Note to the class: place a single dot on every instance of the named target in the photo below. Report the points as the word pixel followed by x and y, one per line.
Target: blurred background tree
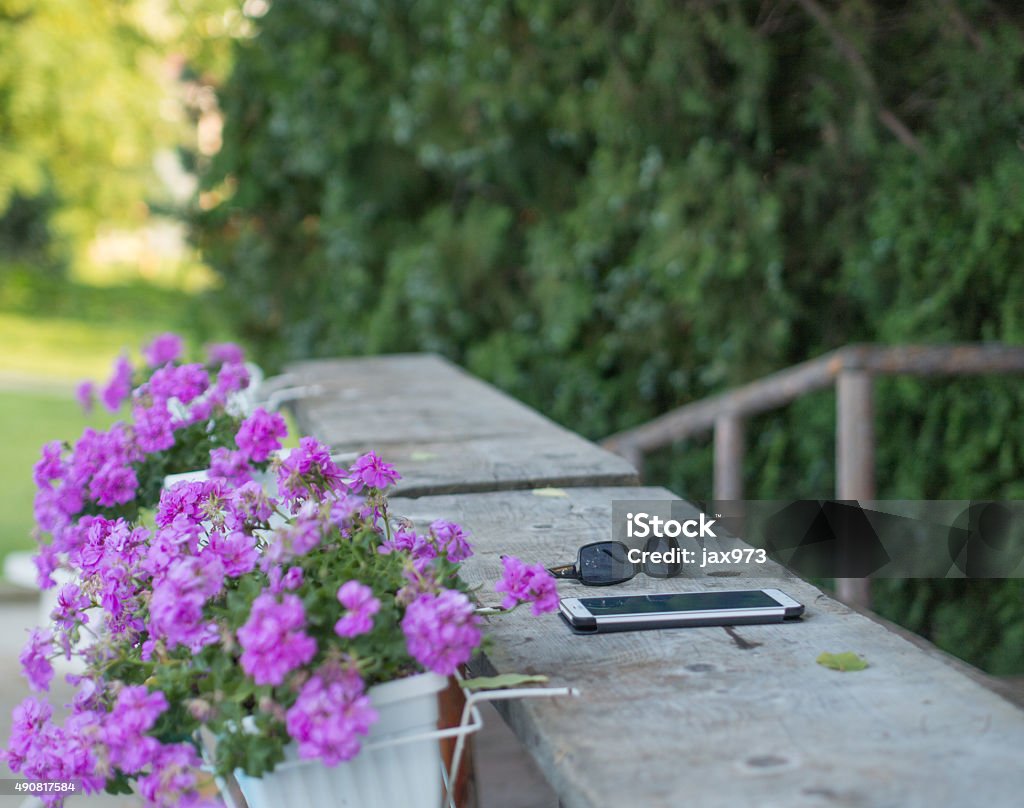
pixel 78 130
pixel 91 92
pixel 610 209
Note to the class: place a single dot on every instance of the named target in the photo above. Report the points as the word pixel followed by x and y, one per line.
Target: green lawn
pixel 69 330
pixel 66 349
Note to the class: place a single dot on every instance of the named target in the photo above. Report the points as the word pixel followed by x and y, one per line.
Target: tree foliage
pixel 610 209
pixel 86 99
pixel 74 108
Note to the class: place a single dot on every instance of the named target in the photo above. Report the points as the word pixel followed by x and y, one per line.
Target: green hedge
pixel 609 209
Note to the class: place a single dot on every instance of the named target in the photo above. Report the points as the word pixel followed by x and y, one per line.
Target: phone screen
pixel 679 602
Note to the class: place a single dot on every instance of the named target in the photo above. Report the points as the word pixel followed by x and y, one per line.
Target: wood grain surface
pixel 446 431
pixel 727 717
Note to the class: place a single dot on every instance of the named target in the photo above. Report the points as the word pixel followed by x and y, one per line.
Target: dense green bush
pixel 610 209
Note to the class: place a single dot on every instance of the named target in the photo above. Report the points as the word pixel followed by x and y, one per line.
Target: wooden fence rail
pixel 852 370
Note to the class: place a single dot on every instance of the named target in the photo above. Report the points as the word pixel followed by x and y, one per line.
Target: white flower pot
pixel 197 476
pixel 385 774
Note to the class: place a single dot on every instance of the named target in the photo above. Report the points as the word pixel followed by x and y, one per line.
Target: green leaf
pixel 501 682
pixel 118 784
pixel 846 661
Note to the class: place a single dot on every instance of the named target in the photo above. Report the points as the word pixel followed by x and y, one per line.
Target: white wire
pixel 494 695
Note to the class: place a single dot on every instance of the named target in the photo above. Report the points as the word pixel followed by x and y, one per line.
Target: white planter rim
pixel 407 687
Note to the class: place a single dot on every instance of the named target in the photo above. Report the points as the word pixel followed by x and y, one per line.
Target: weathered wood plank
pixel 445 430
pixel 712 717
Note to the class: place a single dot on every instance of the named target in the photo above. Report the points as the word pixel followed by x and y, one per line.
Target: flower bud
pixel 200 709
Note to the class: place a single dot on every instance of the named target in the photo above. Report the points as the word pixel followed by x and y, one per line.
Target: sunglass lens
pixel 605 563
pixel 669 566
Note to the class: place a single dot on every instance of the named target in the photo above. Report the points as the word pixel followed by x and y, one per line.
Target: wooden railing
pixel 852 370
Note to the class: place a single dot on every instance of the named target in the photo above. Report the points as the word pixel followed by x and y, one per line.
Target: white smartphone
pixel 638 612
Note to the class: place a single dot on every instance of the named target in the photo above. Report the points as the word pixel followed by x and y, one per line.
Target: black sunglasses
pixel 604 563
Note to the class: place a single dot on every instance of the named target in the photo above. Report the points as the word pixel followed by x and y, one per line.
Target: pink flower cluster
pixel 260 434
pixel 443 539
pixel 70 608
pixel 43 750
pixel 527 583
pixel 195 501
pixel 163 349
pixel 360 605
pixel 225 353
pixel 296 538
pixel 134 714
pixel 308 472
pixel 229 465
pixel 35 659
pixel 120 385
pixel 92 743
pixel 441 630
pixel 257 438
pixel 273 639
pixel 330 714
pixel 249 505
pixel 107 559
pixel 451 540
pixel 179 595
pixel 372 472
pixel 98 470
pixel 176 395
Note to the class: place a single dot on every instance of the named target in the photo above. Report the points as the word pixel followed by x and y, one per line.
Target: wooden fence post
pixel 729 450
pixel 855 460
